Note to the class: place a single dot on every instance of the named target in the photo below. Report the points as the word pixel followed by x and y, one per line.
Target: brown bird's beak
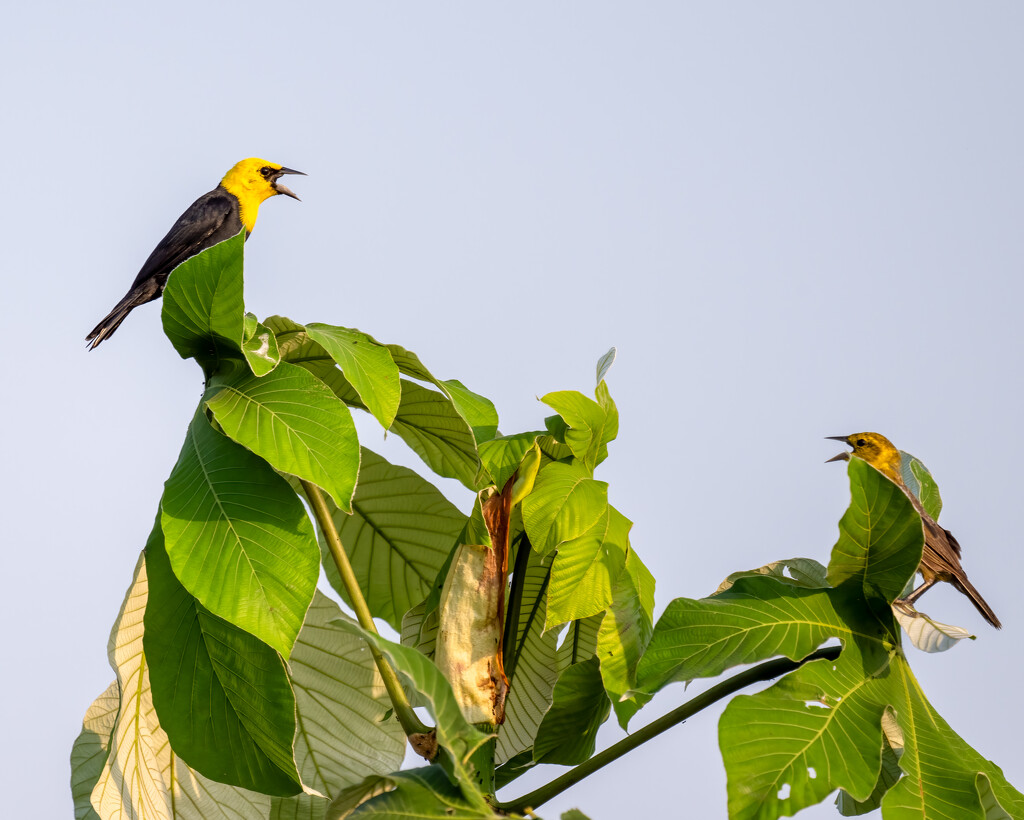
pixel 281 189
pixel 840 456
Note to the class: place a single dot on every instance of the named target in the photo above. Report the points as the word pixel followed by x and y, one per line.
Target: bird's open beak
pixel 839 456
pixel 281 189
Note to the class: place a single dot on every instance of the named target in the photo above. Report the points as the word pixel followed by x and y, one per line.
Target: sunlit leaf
pixel 294 422
pixel 367 365
pixel 203 312
pixel 238 537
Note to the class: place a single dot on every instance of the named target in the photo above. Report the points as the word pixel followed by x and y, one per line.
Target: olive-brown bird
pixel 212 218
pixel 940 558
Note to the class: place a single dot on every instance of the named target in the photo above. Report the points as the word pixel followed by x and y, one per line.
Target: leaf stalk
pixel 765 671
pixel 411 724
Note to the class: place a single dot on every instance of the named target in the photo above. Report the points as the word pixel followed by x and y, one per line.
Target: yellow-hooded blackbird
pixel 212 218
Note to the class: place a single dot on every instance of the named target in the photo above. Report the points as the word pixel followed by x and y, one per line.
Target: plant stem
pixel 763 672
pixel 411 724
pixel 509 655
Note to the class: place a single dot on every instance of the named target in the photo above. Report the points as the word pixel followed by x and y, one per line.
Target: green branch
pixel 411 724
pixel 765 671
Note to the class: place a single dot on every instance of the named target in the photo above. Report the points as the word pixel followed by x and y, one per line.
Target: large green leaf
pixel 457 739
pixel 423 794
pixel 586 568
pixel 565 503
pixel 367 365
pixel 222 695
pixel 89 752
pixel 142 778
pixel 398 536
pixel 238 537
pixel 430 424
pixel 880 536
pixel 477 411
pixel 294 422
pixel 203 311
pixel 625 631
pixel 568 732
pixel 344 734
pixel 590 426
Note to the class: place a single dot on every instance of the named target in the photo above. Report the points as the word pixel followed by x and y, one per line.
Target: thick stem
pixel 515 602
pixel 411 724
pixel 763 672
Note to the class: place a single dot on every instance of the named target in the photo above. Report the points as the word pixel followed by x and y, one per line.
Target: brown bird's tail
pixel 967 588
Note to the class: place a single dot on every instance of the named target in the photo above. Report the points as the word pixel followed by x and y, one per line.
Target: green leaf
pixel 800 572
pixel 625 632
pixel 294 422
pixel 90 750
pixel 817 728
pixel 919 481
pixel 478 411
pixel 879 544
pixel 945 779
pixel 565 503
pixel 223 696
pixel 238 538
pixel 457 738
pixel 367 365
pixel 142 777
pixel 568 733
pixel 343 735
pixel 590 425
pixel 501 456
pixel 575 814
pixel 586 568
pixel 423 794
pixel 259 346
pixel 203 312
pixel 398 537
pixel 756 619
pixel 604 364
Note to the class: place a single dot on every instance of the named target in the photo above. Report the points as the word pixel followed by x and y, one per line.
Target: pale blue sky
pixel 793 220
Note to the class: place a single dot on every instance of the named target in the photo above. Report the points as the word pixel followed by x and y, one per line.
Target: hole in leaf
pixel 817 703
pixel 811 773
pixel 783 793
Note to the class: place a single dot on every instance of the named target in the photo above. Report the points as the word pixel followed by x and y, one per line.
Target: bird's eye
pixel 861 442
pixel 266 170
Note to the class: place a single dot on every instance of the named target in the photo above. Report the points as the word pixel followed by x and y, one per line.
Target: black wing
pixel 209 220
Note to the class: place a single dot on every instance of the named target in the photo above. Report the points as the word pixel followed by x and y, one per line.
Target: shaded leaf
pixel 399 535
pixel 89 752
pixel 222 695
pixel 568 732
